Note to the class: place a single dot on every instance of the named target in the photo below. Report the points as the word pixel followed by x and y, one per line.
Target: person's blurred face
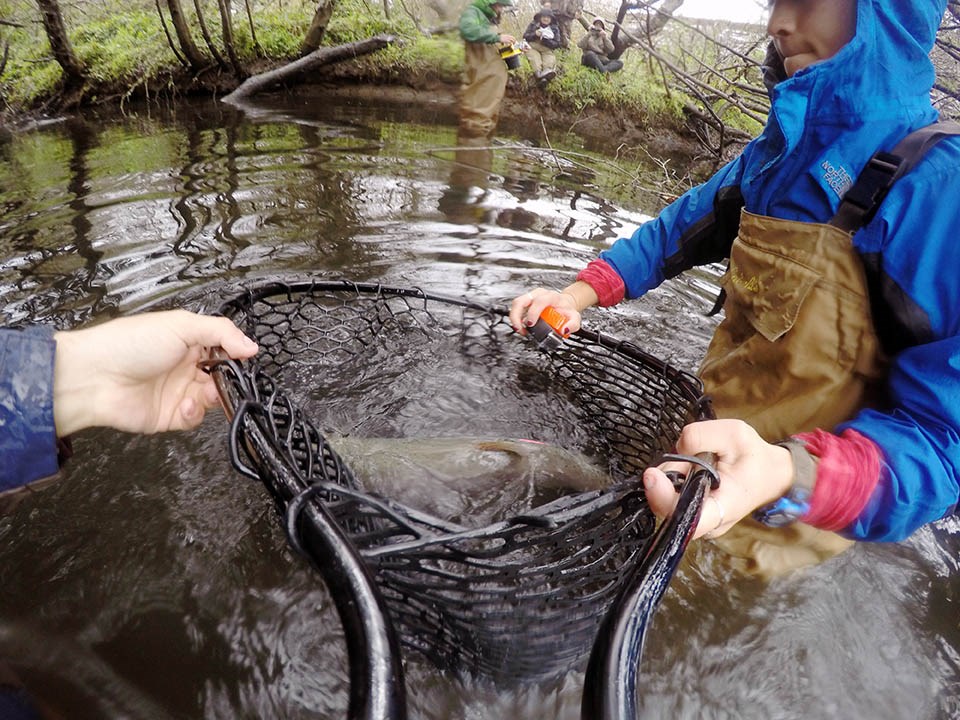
pixel 545 19
pixel 810 31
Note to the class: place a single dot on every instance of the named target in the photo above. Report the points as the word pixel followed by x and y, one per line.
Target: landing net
pixel 519 599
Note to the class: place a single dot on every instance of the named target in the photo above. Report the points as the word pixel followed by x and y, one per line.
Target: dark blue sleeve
pixel 15 704
pixel 28 438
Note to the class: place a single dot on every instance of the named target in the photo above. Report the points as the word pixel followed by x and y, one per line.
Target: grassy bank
pixel 125 53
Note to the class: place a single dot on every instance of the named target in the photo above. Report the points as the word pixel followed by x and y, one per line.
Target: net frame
pixel 517 600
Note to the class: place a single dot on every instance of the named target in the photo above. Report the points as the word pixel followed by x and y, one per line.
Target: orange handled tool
pixel 548 332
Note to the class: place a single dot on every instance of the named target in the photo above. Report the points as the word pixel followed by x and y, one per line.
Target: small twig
pixel 546 138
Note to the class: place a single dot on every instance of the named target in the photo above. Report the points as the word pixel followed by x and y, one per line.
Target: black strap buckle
pixel 861 201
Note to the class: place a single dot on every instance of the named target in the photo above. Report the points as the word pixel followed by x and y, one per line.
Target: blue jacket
pixel 825 123
pixel 28 439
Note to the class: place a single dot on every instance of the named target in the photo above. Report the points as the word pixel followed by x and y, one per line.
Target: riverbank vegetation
pixel 703 78
pixel 60 54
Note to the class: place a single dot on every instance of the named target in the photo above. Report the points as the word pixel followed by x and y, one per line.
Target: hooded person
pixel 543 37
pixel 485 74
pixel 596 47
pixel 834 370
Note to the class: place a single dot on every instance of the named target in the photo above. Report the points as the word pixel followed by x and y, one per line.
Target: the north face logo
pixel 837 178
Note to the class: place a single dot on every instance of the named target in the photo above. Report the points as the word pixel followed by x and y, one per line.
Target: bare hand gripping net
pixel 521 598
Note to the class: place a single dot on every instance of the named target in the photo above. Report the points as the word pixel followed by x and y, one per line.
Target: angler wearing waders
pixel 485 76
pixel 836 365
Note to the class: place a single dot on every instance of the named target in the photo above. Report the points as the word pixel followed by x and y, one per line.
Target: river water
pixel 153 581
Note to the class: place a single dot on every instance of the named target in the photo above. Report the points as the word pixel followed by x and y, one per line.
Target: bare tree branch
pixel 295 71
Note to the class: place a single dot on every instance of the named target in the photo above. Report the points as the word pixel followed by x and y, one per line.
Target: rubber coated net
pixel 520 597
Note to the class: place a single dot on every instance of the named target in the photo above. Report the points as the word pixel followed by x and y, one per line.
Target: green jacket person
pixel 485 77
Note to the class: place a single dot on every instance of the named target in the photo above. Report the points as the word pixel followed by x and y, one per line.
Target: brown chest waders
pixel 798 348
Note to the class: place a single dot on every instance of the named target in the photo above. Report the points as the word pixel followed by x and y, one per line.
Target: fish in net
pixel 518 597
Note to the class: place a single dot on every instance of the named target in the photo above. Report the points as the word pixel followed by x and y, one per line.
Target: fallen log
pixel 295 72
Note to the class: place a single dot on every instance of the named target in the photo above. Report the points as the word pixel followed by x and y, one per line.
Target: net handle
pixel 377 685
pixel 610 683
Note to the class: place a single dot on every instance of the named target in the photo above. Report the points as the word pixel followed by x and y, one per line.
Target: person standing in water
pixel 485 76
pixel 834 370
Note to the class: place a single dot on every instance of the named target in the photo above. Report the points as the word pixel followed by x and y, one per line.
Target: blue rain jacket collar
pixel 868 96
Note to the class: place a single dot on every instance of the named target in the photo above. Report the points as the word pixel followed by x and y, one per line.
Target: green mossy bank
pixel 126 55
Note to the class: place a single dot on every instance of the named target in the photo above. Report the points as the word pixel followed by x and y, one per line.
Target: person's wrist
pixel 571 300
pixel 781 473
pixel 74 384
pixel 580 296
pixel 793 488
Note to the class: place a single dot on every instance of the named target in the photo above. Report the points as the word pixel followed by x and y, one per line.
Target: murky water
pixel 154 582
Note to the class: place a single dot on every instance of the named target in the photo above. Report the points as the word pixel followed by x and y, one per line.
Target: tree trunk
pixel 226 23
pixel 166 33
pixel 74 74
pixel 206 36
pixel 318 26
pixel 295 72
pixel 180 27
pixel 253 31
pixel 656 19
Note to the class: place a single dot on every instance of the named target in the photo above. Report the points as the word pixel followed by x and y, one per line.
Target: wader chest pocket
pixel 767 288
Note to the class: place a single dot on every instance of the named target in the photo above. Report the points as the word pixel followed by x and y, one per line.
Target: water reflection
pixel 154 582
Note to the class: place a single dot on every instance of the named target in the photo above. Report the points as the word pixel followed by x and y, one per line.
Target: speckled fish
pixel 471 481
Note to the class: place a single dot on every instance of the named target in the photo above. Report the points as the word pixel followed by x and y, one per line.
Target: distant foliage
pixel 122 48
pixel 706 73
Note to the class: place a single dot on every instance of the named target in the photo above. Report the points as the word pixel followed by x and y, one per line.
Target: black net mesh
pixel 517 598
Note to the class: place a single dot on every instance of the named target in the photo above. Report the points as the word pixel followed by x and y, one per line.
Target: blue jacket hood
pixel 887 60
pixel 872 93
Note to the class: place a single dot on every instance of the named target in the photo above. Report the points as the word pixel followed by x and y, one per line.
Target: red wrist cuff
pixel 605 281
pixel 848 471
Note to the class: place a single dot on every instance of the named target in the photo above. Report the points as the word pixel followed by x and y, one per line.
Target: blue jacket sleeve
pixel 918 427
pixel 920 443
pixel 28 440
pixel 640 259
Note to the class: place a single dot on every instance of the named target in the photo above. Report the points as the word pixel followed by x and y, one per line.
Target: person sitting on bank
pixel 548 5
pixel 543 38
pixel 597 47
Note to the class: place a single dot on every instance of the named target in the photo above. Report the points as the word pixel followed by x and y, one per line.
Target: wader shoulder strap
pixel 861 201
